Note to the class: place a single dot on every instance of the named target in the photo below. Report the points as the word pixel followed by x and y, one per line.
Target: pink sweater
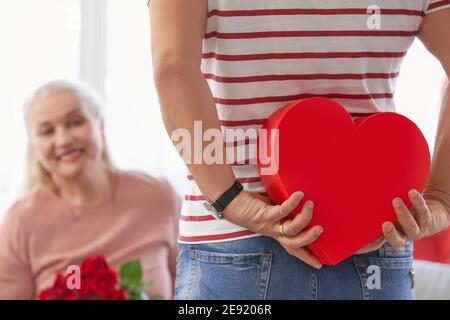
pixel 42 235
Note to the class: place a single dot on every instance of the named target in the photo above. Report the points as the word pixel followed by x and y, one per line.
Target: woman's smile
pixel 70 155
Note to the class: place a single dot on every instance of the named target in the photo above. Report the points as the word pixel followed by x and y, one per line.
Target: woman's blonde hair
pixel 35 174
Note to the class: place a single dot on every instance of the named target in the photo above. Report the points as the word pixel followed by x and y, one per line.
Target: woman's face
pixel 66 138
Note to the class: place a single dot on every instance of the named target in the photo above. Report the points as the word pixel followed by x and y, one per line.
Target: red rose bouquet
pixel 97 281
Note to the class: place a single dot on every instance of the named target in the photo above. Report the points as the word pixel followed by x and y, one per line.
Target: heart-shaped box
pixel 351 170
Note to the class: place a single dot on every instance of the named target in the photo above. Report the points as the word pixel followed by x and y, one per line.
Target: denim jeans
pixel 259 268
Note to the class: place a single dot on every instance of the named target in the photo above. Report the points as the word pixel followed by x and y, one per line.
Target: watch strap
pixel 225 199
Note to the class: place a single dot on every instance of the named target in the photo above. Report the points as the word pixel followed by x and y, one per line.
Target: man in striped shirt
pixel 233 63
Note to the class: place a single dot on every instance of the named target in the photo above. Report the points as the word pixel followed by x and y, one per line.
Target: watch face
pixel 212 210
pixel 208 206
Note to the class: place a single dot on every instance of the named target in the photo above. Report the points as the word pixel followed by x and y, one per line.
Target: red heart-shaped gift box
pixel 351 170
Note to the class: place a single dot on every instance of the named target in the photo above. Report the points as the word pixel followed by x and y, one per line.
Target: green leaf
pixel 131 281
pixel 131 274
pixel 133 292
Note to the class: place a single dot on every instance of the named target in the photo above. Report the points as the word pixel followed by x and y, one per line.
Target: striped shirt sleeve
pixel 436 5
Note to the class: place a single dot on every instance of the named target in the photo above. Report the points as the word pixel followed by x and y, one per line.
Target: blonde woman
pixel 78 205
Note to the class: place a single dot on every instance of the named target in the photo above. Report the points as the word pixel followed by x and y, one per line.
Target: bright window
pixel 135 129
pixel 39 40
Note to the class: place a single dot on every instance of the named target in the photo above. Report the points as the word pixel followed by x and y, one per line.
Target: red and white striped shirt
pixel 259 55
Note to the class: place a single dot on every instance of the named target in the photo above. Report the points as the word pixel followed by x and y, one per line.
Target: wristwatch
pixel 218 206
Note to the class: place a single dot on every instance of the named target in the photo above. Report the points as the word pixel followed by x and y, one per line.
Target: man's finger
pixel 420 207
pixel 293 227
pixel 374 245
pixel 392 235
pixel 283 210
pixel 304 238
pixel 305 256
pixel 406 219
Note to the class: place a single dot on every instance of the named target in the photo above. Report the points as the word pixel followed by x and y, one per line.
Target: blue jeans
pixel 260 268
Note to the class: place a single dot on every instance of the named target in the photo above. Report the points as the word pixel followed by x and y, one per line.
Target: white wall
pixel 39 40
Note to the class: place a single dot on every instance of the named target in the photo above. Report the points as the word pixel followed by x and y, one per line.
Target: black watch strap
pixel 224 200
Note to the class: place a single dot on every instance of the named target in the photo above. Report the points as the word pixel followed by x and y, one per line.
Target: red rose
pixel 57 292
pixel 93 264
pixel 98 281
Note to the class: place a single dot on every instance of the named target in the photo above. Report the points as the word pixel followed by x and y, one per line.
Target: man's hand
pixel 256 213
pixel 427 217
